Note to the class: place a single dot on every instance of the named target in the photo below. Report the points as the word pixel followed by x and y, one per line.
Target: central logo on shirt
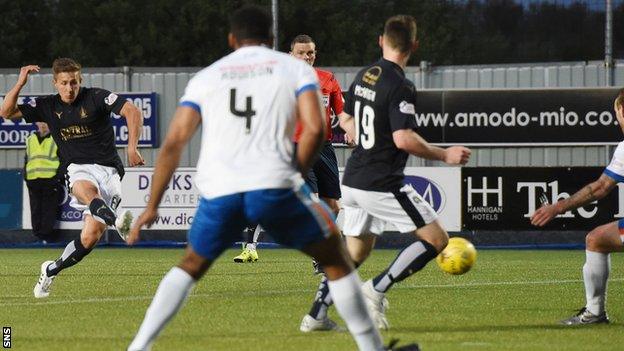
pixel 58 114
pixel 372 75
pixel 83 113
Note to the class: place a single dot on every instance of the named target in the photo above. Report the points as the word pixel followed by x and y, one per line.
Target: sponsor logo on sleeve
pixel 407 108
pixel 110 99
pixel 371 76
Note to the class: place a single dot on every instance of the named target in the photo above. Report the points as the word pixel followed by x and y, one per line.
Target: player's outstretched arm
pixel 182 127
pixel 412 143
pixel 134 119
pixel 593 191
pixel 9 106
pixel 310 113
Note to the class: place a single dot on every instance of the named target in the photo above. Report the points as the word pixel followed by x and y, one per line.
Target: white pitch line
pixel 277 292
pixel 145 297
pixel 468 285
pixel 475 343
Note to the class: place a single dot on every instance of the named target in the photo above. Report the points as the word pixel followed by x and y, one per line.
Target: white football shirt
pixel 615 169
pixel 247 101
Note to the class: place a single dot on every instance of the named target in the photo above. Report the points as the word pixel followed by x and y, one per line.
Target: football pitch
pixel 511 300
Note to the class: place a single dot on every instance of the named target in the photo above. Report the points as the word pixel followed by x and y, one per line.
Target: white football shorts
pixel 369 211
pixel 106 179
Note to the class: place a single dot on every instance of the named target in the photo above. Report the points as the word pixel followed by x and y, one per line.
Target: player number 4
pixel 365 136
pixel 247 113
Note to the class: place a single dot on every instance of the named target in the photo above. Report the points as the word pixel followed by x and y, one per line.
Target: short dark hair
pixel 400 32
pixel 301 39
pixel 251 22
pixel 64 64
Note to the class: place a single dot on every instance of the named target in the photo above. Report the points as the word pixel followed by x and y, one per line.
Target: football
pixel 458 256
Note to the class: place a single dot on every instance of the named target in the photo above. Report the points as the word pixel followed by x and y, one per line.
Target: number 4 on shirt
pixel 247 113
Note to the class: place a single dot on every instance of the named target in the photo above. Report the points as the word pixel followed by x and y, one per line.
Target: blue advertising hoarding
pixel 13 134
pixel 11 199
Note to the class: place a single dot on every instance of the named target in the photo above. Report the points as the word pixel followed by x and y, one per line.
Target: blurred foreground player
pixel 248 103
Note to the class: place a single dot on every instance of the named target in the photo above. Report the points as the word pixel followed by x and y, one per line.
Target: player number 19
pixel 365 136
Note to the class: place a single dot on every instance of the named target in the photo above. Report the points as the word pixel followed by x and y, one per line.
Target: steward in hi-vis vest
pixel 42 161
pixel 44 189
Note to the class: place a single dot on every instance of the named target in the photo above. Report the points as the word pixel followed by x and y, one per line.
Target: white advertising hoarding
pixel 176 211
pixel 178 205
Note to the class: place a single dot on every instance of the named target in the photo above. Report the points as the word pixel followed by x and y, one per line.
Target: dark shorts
pixel 291 216
pixel 323 178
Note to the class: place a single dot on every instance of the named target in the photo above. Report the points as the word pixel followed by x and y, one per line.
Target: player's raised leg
pixel 84 192
pixel 367 212
pixel 432 239
pixel 103 210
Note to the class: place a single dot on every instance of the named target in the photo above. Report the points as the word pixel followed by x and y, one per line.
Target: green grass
pixel 511 300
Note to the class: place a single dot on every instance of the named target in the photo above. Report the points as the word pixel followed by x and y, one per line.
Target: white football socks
pixel 595 275
pixel 349 300
pixel 256 234
pixel 170 296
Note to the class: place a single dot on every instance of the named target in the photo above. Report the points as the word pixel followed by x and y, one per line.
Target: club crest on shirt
pixel 83 113
pixel 110 99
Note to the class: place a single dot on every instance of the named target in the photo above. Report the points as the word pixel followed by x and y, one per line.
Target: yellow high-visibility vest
pixel 42 159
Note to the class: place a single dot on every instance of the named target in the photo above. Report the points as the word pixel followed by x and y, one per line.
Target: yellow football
pixel 458 256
